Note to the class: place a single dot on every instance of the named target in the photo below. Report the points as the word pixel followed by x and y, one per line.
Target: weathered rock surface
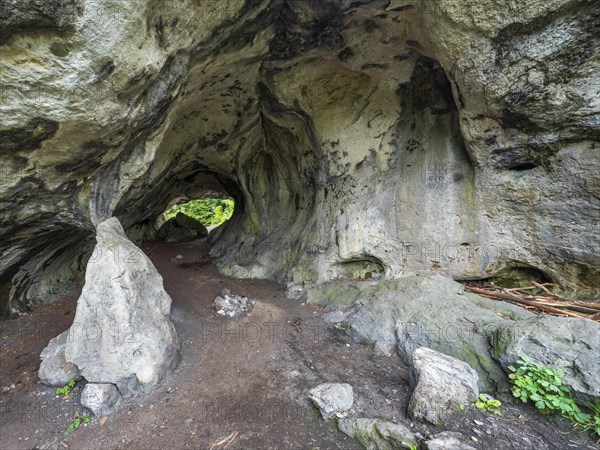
pixel 434 312
pixel 186 221
pixel 571 345
pixel 378 434
pixel 359 139
pixel 171 232
pixel 443 386
pixel 448 440
pixel 122 333
pixel 332 399
pixel 181 228
pixel 54 368
pixel 101 398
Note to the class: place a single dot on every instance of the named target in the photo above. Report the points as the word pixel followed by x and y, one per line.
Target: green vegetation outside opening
pixel 209 211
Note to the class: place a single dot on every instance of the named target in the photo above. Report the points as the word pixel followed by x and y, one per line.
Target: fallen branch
pixel 495 295
pixel 574 307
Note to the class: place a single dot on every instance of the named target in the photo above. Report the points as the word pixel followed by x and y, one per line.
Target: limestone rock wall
pixel 370 139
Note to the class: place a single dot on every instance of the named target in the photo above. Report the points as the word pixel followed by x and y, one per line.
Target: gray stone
pixel 443 386
pixel 171 231
pixel 378 434
pixel 122 332
pixel 571 345
pixel 448 441
pixel 54 369
pixel 434 312
pixel 232 305
pixel 186 221
pixel 101 398
pixel 332 399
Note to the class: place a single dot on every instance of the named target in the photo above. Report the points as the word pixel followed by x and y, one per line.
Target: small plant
pixel 543 386
pixel 5 338
pixel 489 403
pixel 344 326
pixel 67 388
pixel 77 421
pixel 593 424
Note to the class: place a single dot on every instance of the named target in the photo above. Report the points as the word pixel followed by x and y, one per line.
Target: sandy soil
pixel 241 384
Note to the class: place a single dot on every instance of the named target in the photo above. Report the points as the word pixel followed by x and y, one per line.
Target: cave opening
pixel 189 218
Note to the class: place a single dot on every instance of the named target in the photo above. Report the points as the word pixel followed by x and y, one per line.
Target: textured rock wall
pixel 370 139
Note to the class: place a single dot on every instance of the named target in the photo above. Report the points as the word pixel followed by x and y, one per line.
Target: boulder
pixel 122 332
pixel 170 231
pixel 568 344
pixel 443 386
pixel 185 221
pixel 101 398
pixel 448 440
pixel 426 311
pixel 332 399
pixel 378 434
pixel 54 369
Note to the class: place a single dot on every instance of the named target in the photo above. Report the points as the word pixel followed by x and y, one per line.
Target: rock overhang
pixel 367 138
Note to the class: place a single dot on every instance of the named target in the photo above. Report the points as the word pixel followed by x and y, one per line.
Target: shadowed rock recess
pixel 359 139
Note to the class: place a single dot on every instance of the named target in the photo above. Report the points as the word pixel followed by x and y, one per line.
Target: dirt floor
pixel 241 384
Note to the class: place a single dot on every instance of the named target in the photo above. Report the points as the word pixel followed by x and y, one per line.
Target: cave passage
pixel 211 212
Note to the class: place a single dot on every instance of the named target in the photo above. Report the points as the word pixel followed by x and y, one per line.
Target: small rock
pixel 231 305
pixel 448 441
pixel 332 399
pixel 100 398
pixel 55 370
pixel 443 386
pixel 377 434
pixel 220 303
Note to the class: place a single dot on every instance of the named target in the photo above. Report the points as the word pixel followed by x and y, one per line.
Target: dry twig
pixel 550 304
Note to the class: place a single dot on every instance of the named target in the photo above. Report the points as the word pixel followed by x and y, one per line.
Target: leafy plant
pixel 76 423
pixel 208 211
pixel 5 338
pixel 489 403
pixel 67 388
pixel 543 386
pixel 593 424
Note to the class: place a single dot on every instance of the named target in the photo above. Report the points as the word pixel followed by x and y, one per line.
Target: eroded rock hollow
pixel 360 140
